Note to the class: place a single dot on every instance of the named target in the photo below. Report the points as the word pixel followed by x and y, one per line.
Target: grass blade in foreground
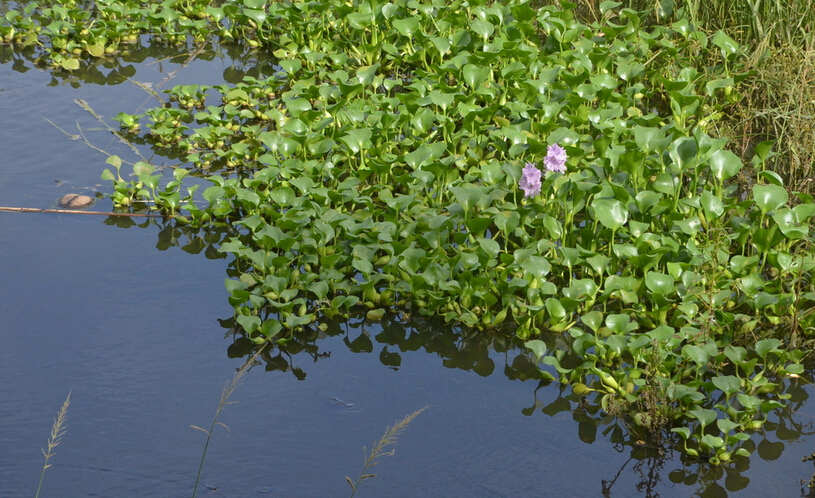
pixel 57 430
pixel 227 392
pixel 377 451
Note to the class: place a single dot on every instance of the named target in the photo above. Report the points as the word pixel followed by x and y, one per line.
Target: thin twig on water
pixel 84 105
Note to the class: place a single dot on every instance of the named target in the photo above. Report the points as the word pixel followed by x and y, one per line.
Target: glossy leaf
pixel 610 212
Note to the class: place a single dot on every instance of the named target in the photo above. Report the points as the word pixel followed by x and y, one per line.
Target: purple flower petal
pixel 530 180
pixel 555 159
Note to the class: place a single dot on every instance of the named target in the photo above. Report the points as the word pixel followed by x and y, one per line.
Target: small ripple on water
pixel 345 405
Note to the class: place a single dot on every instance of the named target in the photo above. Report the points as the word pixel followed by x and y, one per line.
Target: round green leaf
pixel 407 27
pixel 537 347
pixel 724 164
pixel 712 205
pixel 683 152
pixel 728 45
pixel 610 212
pixel 483 28
pixel 659 283
pixel 770 197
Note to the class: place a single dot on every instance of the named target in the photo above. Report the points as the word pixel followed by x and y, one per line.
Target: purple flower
pixel 555 159
pixel 530 180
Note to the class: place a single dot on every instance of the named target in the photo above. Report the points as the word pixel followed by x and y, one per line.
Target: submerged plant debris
pixel 389 166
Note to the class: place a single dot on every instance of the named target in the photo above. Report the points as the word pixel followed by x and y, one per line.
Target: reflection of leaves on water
pixel 117 70
pixel 393 360
pixel 362 344
pixel 648 470
pixel 468 350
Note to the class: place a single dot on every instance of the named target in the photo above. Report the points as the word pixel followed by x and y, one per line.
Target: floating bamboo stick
pixel 79 211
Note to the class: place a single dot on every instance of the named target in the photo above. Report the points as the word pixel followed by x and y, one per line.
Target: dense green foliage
pixel 379 169
pixel 779 99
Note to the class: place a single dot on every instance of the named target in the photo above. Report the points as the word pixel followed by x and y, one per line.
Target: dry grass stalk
pixel 225 394
pixel 57 431
pixel 378 450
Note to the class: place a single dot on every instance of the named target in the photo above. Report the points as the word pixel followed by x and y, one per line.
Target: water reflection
pixel 244 61
pixel 654 466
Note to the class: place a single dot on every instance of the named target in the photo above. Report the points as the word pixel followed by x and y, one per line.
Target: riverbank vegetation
pixel 624 186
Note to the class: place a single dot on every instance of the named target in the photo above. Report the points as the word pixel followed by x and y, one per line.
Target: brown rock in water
pixel 75 201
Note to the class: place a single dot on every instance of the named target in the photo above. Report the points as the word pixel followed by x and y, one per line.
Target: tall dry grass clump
pixel 57 431
pixel 781 107
pixel 750 22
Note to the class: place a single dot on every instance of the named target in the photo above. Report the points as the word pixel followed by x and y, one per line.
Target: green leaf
pixel 620 323
pixel 70 64
pixel 555 309
pixel 682 431
pixel 728 384
pixel 284 196
pixel 291 66
pixel 423 120
pixel 698 355
pixel 537 266
pixel 764 346
pixel 407 27
pixel 728 46
pixel 142 168
pixel 593 320
pixel 490 247
pixel 537 347
pixel 483 28
pixel 357 139
pixel 475 75
pixel 250 323
pixel 610 212
pixel 683 152
pixel 367 74
pixel 724 164
pixel 712 205
pixel 703 415
pixel 389 9
pixel 769 197
pixel 270 328
pixel 213 194
pixel 650 139
pixel 467 196
pixel 712 441
pixel 659 283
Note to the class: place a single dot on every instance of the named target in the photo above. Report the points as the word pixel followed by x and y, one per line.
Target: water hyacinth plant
pixel 380 169
pixel 555 159
pixel 530 180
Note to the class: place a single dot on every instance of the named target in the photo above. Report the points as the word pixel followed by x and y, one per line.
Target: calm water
pixel 129 322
